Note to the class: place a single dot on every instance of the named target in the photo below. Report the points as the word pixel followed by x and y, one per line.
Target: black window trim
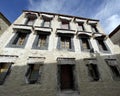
pixel 90 45
pixel 15 36
pixel 34 46
pixel 103 51
pixel 59 42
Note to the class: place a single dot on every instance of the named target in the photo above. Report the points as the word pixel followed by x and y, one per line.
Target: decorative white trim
pixel 66 31
pixel 86 33
pixel 36 60
pixel 22 27
pixel 98 35
pixel 80 20
pixel 65 18
pixel 9 59
pixel 43 29
pixel 47 15
pixel 92 22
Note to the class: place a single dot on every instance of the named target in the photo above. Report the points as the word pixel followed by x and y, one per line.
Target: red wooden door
pixel 66 77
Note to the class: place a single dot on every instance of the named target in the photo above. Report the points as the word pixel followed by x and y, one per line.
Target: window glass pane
pixel 85 43
pixel 42 40
pixel 66 42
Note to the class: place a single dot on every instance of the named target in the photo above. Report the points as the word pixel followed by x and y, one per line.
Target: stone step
pixel 69 93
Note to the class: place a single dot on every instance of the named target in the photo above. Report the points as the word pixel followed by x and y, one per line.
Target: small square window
pixel 30 18
pixel 4 71
pixel 65 25
pixel 81 27
pixel 33 73
pixel 94 28
pixel 46 23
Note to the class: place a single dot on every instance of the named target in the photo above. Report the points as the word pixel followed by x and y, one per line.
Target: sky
pixel 107 11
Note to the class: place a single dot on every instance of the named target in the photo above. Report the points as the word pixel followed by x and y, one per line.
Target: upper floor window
pixel 19 39
pixel 46 22
pixel 65 42
pixel 33 73
pixel 85 43
pixel 65 24
pixel 4 71
pixel 41 41
pixel 81 27
pixel 30 19
pixel 94 28
pixel 102 45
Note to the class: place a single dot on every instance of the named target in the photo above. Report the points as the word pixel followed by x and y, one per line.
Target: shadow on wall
pixel 52 77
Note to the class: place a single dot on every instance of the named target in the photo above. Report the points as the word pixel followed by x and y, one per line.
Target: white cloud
pixel 107 11
pixel 109 15
pixel 46 5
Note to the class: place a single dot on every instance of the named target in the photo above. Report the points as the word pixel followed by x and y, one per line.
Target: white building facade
pixel 47 54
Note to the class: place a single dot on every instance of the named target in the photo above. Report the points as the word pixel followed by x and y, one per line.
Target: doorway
pixel 66 77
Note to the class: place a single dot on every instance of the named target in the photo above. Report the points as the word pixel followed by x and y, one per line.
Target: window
pixel 65 25
pixel 102 45
pixel 19 39
pixel 114 68
pixel 4 71
pixel 85 43
pixel 33 73
pixel 46 22
pixel 41 41
pixel 93 72
pixel 30 19
pixel 80 27
pixel 65 43
pixel 94 28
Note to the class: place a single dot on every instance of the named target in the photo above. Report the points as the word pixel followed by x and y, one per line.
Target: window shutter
pixel 72 44
pixel 59 42
pixel 47 42
pixel 35 43
pixel 3 72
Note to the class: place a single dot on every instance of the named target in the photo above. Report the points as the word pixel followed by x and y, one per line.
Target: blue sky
pixel 107 11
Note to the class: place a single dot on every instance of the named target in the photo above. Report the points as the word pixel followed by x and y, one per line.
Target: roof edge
pixel 114 31
pixel 9 23
pixel 61 15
